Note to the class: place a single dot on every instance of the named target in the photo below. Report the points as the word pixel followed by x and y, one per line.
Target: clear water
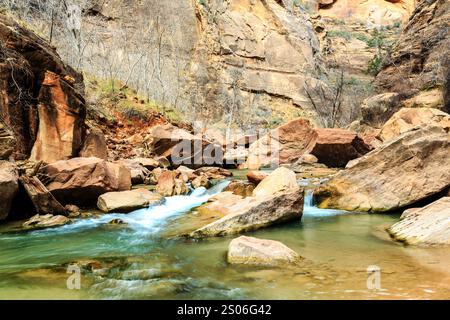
pixel 137 262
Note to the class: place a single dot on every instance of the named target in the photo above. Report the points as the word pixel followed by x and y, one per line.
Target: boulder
pixel 429 225
pixel 377 109
pixel 153 163
pixel 200 181
pixel 407 169
pixel 252 213
pixel 138 172
pixel 407 118
pixel 184 148
pixel 260 252
pixel 336 147
pixel 45 221
pixel 256 176
pixel 61 121
pixel 126 201
pixel 213 172
pixel 283 145
pixel 281 179
pixel 168 185
pixel 9 186
pixel 241 188
pixel 95 145
pixel 81 181
pixel 7 142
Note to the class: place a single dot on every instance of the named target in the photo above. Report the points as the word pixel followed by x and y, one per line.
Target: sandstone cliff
pixel 26 104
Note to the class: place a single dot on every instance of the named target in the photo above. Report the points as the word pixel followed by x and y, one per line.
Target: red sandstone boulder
pixel 256 176
pixel 283 145
pixel 81 181
pixel 336 147
pixel 95 145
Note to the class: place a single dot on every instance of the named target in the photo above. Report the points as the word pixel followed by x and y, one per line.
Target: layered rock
pixel 416 58
pixel 256 176
pixel 407 169
pixel 373 12
pixel 44 83
pixel 336 147
pixel 81 181
pixel 429 225
pixel 126 201
pixel 260 252
pixel 408 118
pixel 283 145
pixel 9 186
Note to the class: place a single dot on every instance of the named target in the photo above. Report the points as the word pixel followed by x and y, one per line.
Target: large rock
pixel 61 121
pixel 252 213
pixel 260 252
pixel 9 186
pixel 336 147
pixel 138 172
pixel 281 179
pixel 45 97
pixel 81 181
pixel 429 225
pixel 408 118
pixel 7 142
pixel 283 145
pixel 126 201
pixel 377 109
pixel 184 148
pixel 411 167
pixel 169 185
pixel 45 221
pixel 256 176
pixel 95 145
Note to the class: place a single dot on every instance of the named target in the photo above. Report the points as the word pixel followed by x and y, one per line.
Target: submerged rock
pixel 81 181
pixel 411 167
pixel 241 188
pixel 429 225
pixel 9 186
pixel 46 221
pixel 126 201
pixel 260 252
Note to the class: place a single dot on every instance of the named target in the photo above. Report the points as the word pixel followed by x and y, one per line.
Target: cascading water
pixel 310 210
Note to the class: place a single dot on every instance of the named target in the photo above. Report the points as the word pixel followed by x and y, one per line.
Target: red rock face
pixel 336 147
pixel 61 115
pixel 24 61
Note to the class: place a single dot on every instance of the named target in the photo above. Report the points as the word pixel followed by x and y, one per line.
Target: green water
pixel 137 262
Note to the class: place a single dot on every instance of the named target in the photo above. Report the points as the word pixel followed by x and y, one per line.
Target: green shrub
pixel 374 65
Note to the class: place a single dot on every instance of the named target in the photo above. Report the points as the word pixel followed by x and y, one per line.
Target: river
pixel 138 260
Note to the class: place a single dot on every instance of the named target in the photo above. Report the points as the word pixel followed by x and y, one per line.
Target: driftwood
pixel 43 201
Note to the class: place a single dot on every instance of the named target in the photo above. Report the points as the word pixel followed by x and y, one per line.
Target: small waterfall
pixel 310 210
pixel 309 199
